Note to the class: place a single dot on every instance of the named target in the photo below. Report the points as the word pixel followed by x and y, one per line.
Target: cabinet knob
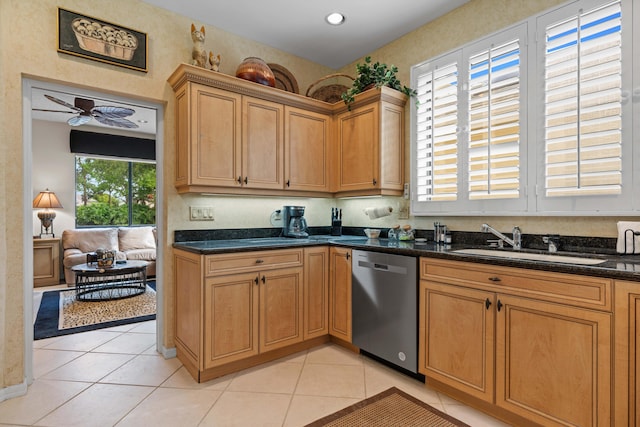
pixel 348 256
pixel 487 303
pixel 375 181
pixel 264 279
pixel 288 183
pixel 259 261
pixel 499 305
pixel 239 180
pixel 246 180
pixel 494 279
pixel 256 280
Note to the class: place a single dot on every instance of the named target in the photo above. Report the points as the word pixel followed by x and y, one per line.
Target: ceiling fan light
pixel 335 18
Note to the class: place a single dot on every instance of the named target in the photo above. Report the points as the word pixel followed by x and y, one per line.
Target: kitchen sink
pixel 564 259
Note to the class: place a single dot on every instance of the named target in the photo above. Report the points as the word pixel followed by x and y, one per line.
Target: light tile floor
pixel 114 377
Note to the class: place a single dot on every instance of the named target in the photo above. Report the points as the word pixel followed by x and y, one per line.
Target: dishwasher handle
pixel 385 268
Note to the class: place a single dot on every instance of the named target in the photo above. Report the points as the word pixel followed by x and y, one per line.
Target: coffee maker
pixel 293 222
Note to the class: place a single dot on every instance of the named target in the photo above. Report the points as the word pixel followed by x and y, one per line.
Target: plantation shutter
pixel 436 134
pixel 494 123
pixel 583 104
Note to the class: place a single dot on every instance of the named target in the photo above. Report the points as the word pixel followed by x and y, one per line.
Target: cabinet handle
pixel 375 181
pixel 246 180
pixel 487 303
pixel 494 279
pixel 256 280
pixel 348 256
pixel 288 183
pixel 499 305
pixel 239 180
pixel 259 261
pixel 264 279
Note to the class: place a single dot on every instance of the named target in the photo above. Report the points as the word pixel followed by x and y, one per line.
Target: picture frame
pixel 92 38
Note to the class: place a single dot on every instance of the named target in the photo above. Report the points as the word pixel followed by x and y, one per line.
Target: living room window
pixel 113 192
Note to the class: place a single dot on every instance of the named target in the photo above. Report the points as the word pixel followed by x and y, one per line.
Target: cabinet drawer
pixel 218 265
pixel 580 291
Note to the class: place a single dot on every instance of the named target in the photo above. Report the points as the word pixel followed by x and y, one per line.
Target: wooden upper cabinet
pixel 262 144
pixel 306 145
pixel 238 137
pixel 369 139
pixel 209 134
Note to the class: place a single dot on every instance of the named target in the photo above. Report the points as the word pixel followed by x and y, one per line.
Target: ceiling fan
pixel 109 115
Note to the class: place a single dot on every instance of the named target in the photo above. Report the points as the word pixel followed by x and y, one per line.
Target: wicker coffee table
pixel 122 280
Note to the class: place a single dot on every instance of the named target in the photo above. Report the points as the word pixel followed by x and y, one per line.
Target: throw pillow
pixel 136 238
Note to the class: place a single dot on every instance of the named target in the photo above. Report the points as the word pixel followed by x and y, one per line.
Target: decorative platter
pixel 284 78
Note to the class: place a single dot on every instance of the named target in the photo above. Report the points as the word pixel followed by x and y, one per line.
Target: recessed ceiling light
pixel 335 18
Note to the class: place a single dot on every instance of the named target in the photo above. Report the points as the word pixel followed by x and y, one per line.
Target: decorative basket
pixel 330 93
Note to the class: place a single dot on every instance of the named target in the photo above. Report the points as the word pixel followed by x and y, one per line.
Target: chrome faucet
pixel 516 242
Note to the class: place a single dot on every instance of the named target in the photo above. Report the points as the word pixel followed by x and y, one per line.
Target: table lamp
pixel 46 200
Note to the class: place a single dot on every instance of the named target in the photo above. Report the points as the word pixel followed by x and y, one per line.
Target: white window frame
pixel 532 200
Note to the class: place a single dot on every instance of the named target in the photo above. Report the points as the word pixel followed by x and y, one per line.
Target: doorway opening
pixel 50 111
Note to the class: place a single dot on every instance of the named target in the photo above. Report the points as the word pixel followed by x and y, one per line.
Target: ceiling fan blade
pixel 115 121
pixel 61 102
pixel 112 111
pixel 53 111
pixel 78 120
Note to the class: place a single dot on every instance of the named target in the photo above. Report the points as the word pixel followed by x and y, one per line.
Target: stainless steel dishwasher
pixel 384 306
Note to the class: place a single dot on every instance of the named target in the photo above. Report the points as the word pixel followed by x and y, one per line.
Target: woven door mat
pixel 392 407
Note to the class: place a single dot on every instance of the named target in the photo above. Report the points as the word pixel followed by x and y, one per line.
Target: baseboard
pixel 13 391
pixel 168 353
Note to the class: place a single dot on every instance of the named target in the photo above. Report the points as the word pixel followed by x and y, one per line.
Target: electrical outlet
pixel 200 213
pixel 403 209
pixel 406 191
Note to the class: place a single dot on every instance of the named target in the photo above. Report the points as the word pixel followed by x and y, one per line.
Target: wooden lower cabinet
pixel 316 292
pixel 627 354
pixel 340 293
pixel 241 309
pixel 517 356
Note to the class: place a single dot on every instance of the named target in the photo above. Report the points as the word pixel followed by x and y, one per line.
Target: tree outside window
pixel 114 192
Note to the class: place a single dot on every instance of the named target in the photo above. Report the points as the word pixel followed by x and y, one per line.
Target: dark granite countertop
pixel 626 267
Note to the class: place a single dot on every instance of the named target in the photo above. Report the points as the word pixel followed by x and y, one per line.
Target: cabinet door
pixel 46 262
pixel 316 292
pixel 456 333
pixel 230 318
pixel 340 293
pixel 627 362
pixel 358 151
pixel 215 137
pixel 262 149
pixel 281 303
pixel 553 362
pixel 306 150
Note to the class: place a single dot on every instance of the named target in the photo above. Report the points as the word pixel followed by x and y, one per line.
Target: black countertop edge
pixel 625 267
pixel 578 244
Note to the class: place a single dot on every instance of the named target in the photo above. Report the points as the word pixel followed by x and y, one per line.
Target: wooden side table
pixel 46 262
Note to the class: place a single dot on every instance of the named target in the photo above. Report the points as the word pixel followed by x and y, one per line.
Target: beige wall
pixel 28 49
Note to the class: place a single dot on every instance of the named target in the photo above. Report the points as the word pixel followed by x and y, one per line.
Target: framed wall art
pixel 88 37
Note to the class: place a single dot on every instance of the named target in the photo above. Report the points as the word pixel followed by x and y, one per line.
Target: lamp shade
pixel 46 200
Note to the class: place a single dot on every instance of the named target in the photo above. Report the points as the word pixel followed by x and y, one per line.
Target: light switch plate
pixel 201 213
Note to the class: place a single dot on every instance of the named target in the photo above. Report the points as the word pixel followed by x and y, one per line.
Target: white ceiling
pixel 299 27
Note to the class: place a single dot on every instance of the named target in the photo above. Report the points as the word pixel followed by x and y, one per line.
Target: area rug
pixel 60 313
pixel 392 407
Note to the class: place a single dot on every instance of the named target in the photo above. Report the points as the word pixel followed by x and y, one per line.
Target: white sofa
pixel 132 243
